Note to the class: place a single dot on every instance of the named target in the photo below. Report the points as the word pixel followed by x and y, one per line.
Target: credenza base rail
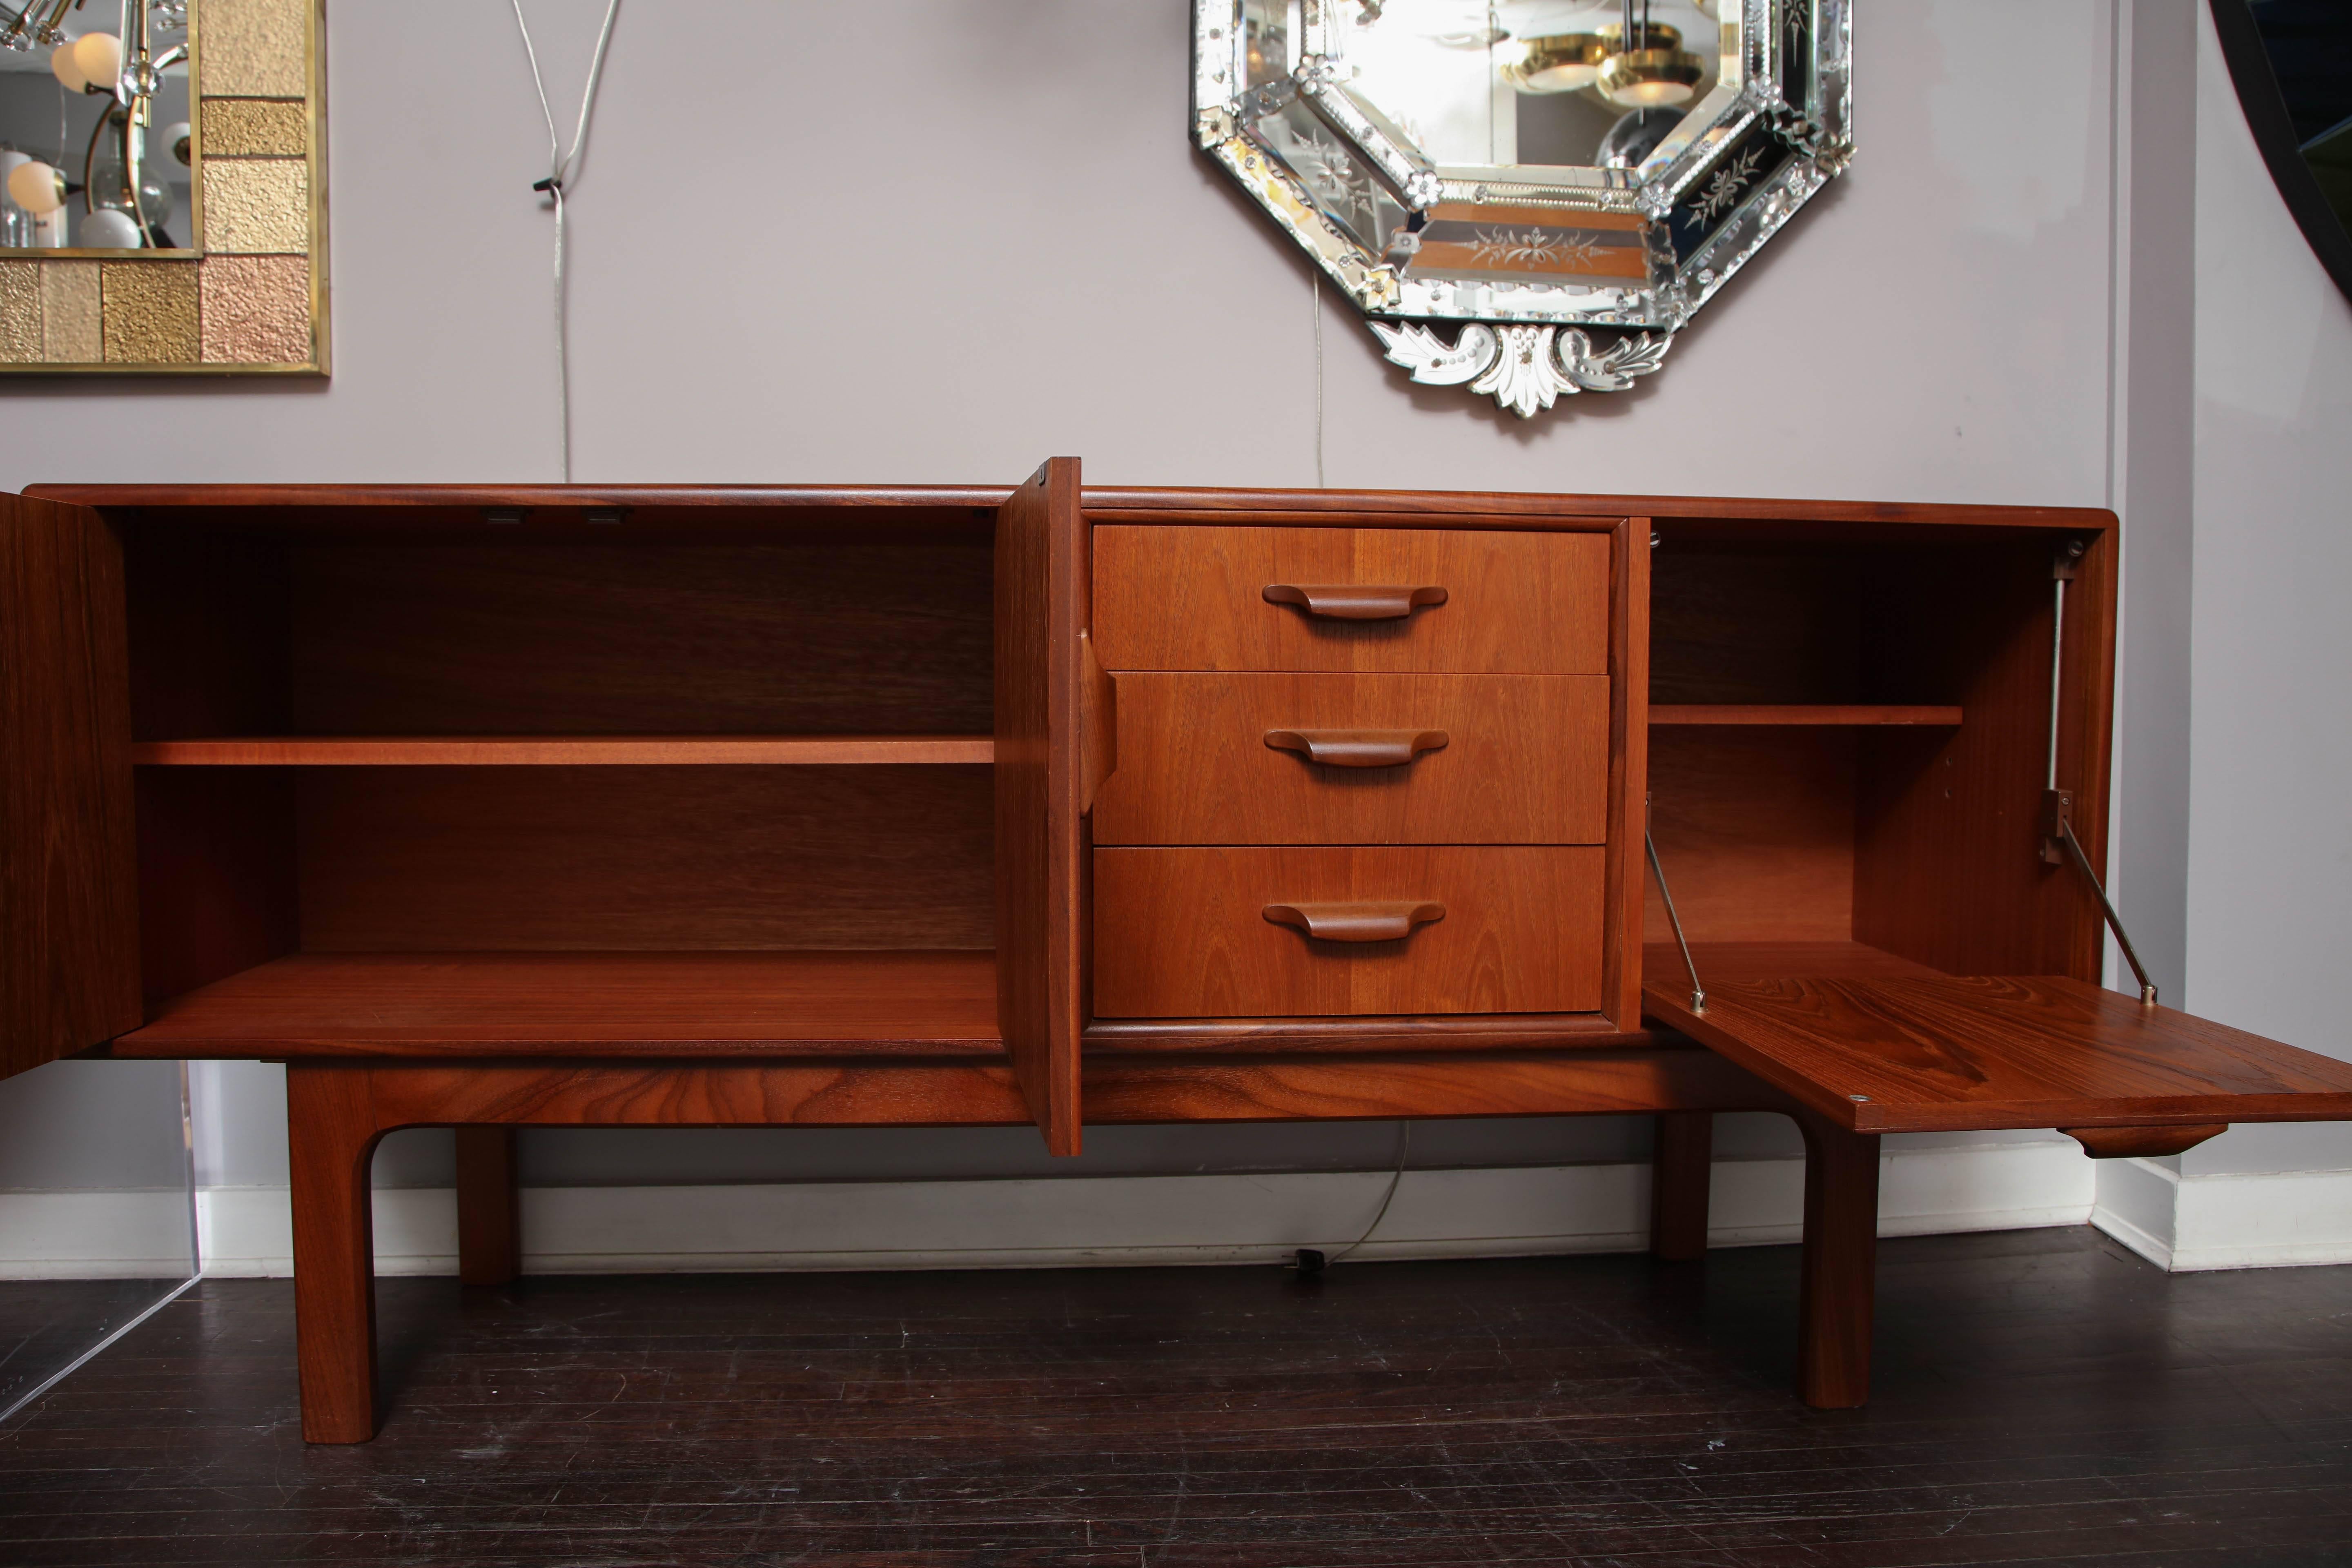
pixel 337 1111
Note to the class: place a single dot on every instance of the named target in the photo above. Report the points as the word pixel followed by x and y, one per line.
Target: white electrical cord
pixel 1405 1144
pixel 560 168
pixel 1316 279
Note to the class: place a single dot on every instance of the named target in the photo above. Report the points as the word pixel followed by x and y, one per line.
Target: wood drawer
pixel 1517 759
pixel 1184 934
pixel 1183 597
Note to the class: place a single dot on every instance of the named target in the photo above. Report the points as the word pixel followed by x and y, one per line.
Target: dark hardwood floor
pixel 45 1324
pixel 2042 1396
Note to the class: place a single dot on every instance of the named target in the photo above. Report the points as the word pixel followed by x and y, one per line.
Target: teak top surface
pixel 1102 502
pixel 1948 1053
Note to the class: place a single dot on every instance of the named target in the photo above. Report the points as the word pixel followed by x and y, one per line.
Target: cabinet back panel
pixel 1773 624
pixel 208 633
pixel 216 877
pixel 620 639
pixel 653 859
pixel 1948 868
pixel 1756 830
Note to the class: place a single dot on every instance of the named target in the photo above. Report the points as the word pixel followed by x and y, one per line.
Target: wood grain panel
pixel 1755 828
pixel 210 631
pixel 432 859
pixel 633 639
pixel 635 1094
pixel 1627 870
pixel 1182 933
pixel 1956 1054
pixel 1762 622
pixel 1042 585
pixel 1579 1083
pixel 1662 962
pixel 1192 598
pixel 1526 761
pixel 568 750
pixel 218 878
pixel 1585 1083
pixel 69 914
pixel 511 1003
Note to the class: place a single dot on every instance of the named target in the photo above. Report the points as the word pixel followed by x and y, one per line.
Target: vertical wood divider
pixel 489 1207
pixel 1629 770
pixel 1042 592
pixel 1682 1163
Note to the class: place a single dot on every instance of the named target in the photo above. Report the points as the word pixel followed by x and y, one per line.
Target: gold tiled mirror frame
pixel 251 297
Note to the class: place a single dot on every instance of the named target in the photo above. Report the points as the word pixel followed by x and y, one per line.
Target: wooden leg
pixel 489 1214
pixel 1682 1161
pixel 332 1135
pixel 1840 1265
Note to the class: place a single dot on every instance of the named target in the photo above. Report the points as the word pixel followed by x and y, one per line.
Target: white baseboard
pixel 1067 1222
pixel 1084 1221
pixel 94 1236
pixel 2185 1224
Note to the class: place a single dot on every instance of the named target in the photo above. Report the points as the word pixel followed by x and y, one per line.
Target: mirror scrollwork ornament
pixel 1527 198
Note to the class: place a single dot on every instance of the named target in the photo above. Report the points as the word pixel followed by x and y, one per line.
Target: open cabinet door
pixel 1952 1052
pixel 68 913
pixel 1042 591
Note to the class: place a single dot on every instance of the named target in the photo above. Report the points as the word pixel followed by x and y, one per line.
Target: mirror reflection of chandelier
pixel 1635 63
pixel 125 203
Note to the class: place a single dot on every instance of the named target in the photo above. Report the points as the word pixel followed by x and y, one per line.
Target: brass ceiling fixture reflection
pixel 1633 64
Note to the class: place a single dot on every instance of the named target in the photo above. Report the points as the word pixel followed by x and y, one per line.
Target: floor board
pixel 2042 1396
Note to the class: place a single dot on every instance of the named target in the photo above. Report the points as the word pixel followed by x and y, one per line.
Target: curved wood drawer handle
pixel 1357 748
pixel 1372 922
pixel 1353 601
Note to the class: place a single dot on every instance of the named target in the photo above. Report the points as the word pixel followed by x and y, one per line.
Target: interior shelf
pixel 561 751
pixel 1799 713
pixel 930 1003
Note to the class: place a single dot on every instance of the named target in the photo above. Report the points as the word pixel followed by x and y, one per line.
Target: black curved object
pixel 2315 35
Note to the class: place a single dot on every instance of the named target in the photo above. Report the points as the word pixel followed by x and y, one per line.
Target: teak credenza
pixel 490 808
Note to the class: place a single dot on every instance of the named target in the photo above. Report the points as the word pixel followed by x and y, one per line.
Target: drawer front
pixel 1411 759
pixel 1187 934
pixel 1177 597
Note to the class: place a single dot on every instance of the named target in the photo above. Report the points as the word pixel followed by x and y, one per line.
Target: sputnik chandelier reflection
pixel 124 204
pixel 1634 65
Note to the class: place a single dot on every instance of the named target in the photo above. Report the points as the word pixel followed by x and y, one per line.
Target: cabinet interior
pixel 1810 822
pixel 799 624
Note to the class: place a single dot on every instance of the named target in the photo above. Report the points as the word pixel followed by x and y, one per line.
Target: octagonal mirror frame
pixel 1552 280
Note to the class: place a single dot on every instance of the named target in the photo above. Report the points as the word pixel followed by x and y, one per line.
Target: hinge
pixel 2060 845
pixel 2057 820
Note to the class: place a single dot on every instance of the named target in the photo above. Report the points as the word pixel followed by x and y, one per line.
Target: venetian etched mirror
pixel 1527 198
pixel 163 203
